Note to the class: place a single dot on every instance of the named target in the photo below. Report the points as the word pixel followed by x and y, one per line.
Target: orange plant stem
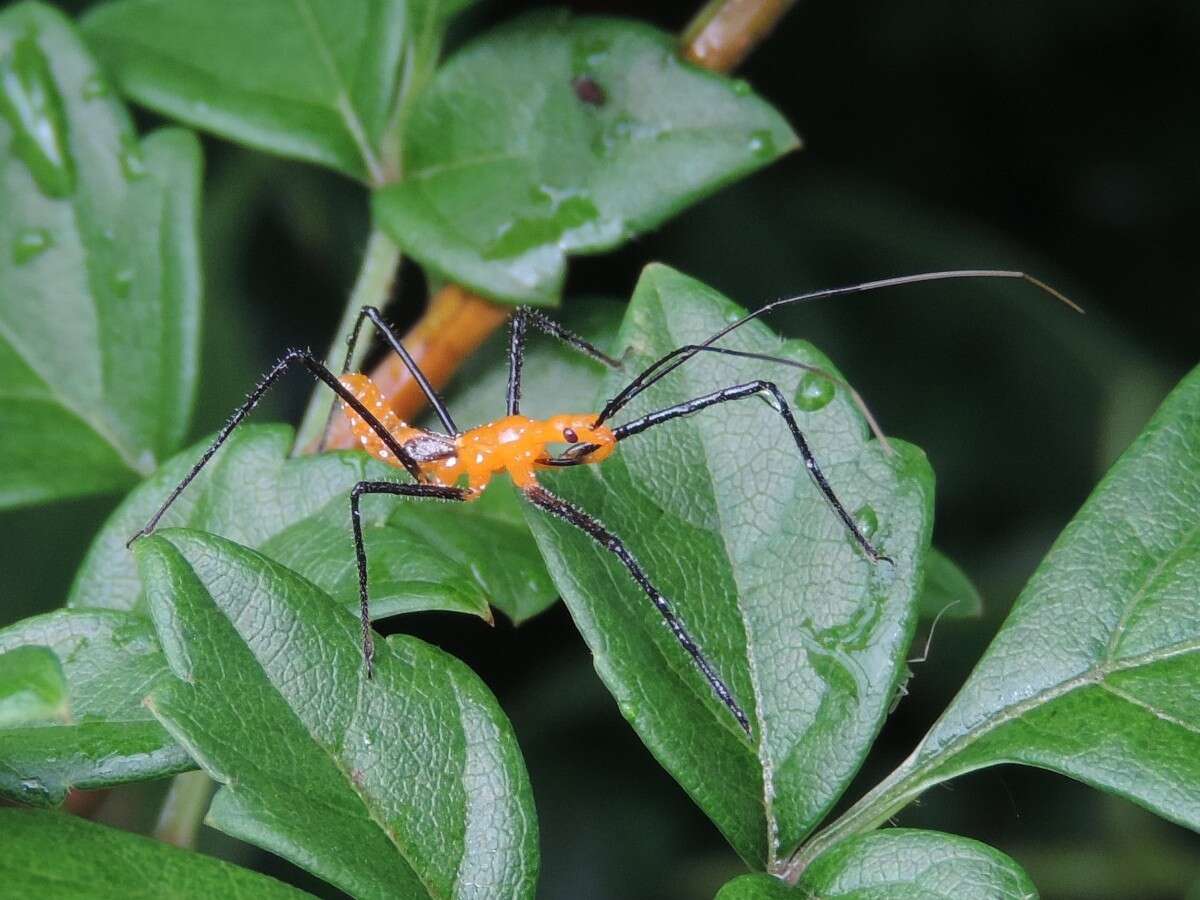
pixel 457 321
pixel 452 327
pixel 725 31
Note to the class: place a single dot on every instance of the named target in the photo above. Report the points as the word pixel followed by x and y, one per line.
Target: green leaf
pixel 556 135
pixel 1094 673
pixel 32 687
pixel 407 784
pixel 321 81
pixel 53 855
pixel 99 279
pixel 948 591
pixel 720 511
pixel 897 864
pixel 103 736
pixel 298 510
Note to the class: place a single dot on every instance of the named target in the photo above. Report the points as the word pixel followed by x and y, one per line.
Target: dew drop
pixel 741 87
pixel 122 281
pixel 31 243
pixel 762 144
pixel 815 392
pixel 95 87
pixel 866 520
pixel 133 164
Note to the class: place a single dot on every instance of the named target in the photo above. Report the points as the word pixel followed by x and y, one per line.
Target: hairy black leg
pixel 522 319
pixel 426 491
pixel 556 506
pixel 740 392
pixel 377 319
pixel 319 371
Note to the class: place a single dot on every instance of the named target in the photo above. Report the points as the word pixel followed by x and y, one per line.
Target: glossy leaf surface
pixel 99 279
pixel 897 864
pixel 318 80
pixel 103 736
pixel 719 509
pixel 556 135
pixel 66 857
pixel 1094 672
pixel 406 784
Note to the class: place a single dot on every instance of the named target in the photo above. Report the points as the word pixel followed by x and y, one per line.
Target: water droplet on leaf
pixel 31 243
pixel 122 281
pixel 133 164
pixel 741 87
pixel 866 520
pixel 30 102
pixel 815 392
pixel 762 144
pixel 95 87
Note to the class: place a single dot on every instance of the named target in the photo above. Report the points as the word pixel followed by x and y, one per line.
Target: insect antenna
pixel 662 367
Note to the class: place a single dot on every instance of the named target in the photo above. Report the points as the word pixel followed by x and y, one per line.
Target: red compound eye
pixel 570 436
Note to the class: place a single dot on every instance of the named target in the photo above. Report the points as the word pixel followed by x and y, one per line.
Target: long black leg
pixel 427 491
pixel 541 497
pixel 319 371
pixel 660 368
pixel 522 319
pixel 377 319
pixel 739 392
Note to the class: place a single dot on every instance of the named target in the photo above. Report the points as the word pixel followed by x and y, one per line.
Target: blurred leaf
pixel 312 79
pixel 556 135
pixel 32 687
pixel 897 864
pixel 104 736
pixel 948 592
pixel 299 511
pixel 407 784
pixel 99 279
pixel 1094 673
pixel 721 512
pixel 54 855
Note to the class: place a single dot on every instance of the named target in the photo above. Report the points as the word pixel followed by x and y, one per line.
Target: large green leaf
pixel 99 280
pixel 109 661
pixel 720 510
pixel 298 511
pixel 556 135
pixel 1094 673
pixel 68 858
pixel 897 864
pixel 407 784
pixel 319 80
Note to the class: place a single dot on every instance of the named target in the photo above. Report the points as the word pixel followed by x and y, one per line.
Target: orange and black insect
pixel 457 465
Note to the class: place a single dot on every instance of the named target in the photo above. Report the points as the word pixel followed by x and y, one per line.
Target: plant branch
pixel 376 276
pixel 724 32
pixel 184 808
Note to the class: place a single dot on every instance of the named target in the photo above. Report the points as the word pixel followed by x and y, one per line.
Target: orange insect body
pixel 514 444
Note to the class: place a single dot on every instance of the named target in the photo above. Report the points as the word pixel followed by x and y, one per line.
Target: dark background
pixel 1059 137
